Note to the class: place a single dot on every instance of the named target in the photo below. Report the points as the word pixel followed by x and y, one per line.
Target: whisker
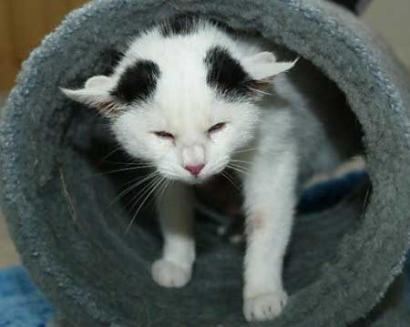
pixel 138 182
pixel 162 191
pixel 259 91
pixel 162 187
pixel 140 193
pixel 115 171
pixel 238 169
pixel 238 165
pixel 241 164
pixel 245 150
pixel 111 153
pixel 240 161
pixel 136 198
pixel 170 173
pixel 128 163
pixel 134 180
pixel 161 180
pixel 229 178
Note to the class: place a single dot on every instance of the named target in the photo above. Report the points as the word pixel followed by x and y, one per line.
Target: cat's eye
pixel 165 135
pixel 216 128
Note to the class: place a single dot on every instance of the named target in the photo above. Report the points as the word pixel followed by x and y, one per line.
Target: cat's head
pixel 185 105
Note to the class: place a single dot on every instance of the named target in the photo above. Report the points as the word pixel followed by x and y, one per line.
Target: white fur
pixel 187 107
pixel 176 218
pixel 269 202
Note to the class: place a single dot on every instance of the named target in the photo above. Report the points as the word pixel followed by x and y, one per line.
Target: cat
pixel 193 98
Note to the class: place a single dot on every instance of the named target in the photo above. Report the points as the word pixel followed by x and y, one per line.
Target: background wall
pixel 23 23
pixel 391 19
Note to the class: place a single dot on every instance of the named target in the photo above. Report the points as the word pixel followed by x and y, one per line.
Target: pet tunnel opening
pixel 72 237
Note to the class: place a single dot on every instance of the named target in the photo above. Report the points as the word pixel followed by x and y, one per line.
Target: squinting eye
pixel 216 128
pixel 165 135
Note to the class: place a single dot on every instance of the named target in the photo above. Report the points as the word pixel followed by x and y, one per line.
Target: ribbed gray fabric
pixel 341 262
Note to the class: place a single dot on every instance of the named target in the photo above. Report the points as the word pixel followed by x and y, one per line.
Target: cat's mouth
pixel 193 175
pixel 204 180
pixel 186 177
pixel 198 180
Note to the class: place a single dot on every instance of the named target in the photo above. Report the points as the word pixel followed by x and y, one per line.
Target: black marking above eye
pixel 138 82
pixel 226 74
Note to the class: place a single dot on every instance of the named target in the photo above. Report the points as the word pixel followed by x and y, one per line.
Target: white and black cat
pixel 192 99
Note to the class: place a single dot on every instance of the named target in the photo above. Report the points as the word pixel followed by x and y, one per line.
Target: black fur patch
pixel 179 25
pixel 138 82
pixel 226 74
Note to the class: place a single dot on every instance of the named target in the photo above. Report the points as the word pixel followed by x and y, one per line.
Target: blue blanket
pixel 21 303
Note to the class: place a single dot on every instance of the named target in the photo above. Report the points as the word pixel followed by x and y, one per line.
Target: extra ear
pixel 263 67
pixel 96 93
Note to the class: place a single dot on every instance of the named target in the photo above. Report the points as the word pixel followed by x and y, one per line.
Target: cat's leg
pixel 269 201
pixel 175 209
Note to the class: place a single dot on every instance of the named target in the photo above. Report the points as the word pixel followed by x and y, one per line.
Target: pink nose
pixel 195 169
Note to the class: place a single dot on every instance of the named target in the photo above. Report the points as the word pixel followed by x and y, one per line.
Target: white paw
pixel 169 274
pixel 265 306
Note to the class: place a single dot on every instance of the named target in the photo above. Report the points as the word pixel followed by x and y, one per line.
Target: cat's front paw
pixel 264 306
pixel 169 274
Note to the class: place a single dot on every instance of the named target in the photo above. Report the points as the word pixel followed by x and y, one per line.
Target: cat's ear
pixel 96 93
pixel 263 67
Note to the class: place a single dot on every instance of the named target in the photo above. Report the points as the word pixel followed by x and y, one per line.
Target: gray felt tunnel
pixel 341 262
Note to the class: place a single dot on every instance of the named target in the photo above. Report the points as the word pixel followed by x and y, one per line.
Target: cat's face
pixel 187 137
pixel 185 112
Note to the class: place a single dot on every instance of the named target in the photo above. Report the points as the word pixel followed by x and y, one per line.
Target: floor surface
pixel 391 19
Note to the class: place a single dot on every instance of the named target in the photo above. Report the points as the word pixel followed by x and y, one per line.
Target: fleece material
pixel 340 263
